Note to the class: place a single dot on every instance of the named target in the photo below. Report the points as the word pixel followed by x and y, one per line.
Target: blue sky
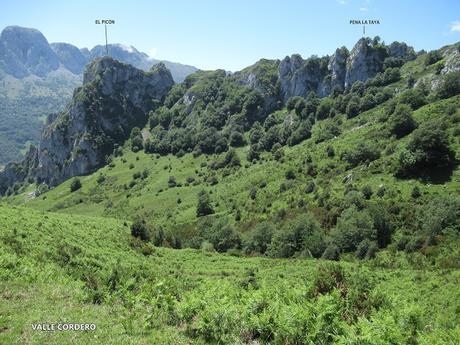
pixel 233 34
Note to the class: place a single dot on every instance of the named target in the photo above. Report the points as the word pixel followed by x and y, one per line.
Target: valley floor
pixel 58 268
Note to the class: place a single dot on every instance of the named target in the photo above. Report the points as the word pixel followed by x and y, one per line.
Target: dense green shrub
pixel 290 174
pixel 140 229
pixel 204 206
pixel 75 185
pixel 324 109
pixel 366 249
pixel 260 238
pixel 236 139
pixel 302 132
pixel 328 276
pixel 415 193
pixel 221 235
pixel 171 181
pixel 352 228
pixel 361 153
pixel 382 224
pixel 415 98
pixel 439 214
pixel 302 234
pixel 428 150
pixel 401 121
pixel 332 252
pixel 253 153
pixel 450 85
pixel 367 192
pixel 137 142
pixel 353 107
pixel 310 187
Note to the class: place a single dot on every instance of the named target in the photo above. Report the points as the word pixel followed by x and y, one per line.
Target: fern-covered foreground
pixel 67 268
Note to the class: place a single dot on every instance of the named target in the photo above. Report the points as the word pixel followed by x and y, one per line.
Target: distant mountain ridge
pixel 26 51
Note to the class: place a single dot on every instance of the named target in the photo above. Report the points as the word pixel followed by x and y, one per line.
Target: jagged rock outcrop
pixel 298 76
pixel 114 98
pixel 322 75
pixel 401 50
pixel 263 77
pixel 338 67
pixel 364 62
pixel 452 60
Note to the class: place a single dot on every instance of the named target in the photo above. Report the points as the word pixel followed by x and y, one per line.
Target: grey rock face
pixel 452 60
pixel 298 77
pixel 322 75
pixel 337 65
pixel 364 62
pixel 70 56
pixel 401 50
pixel 263 77
pixel 114 98
pixel 26 51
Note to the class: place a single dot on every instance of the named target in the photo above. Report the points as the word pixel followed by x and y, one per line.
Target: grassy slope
pixel 159 299
pixel 52 265
pixel 152 197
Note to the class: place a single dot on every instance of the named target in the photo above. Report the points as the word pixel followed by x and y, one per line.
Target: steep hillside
pixel 38 78
pixel 58 268
pixel 310 201
pixel 360 170
pixel 114 98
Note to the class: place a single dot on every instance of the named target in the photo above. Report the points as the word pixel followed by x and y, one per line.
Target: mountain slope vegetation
pixel 298 201
pixel 69 268
pixel 363 176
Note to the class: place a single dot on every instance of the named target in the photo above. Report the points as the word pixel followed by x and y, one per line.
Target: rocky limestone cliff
pixel 300 76
pixel 364 62
pixel 337 65
pixel 114 98
pixel 263 77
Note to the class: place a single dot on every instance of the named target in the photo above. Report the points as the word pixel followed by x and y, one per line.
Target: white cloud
pixel 152 52
pixel 363 9
pixel 455 26
pixel 129 49
pixel 342 2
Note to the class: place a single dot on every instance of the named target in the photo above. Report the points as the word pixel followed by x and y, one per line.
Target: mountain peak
pixel 26 51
